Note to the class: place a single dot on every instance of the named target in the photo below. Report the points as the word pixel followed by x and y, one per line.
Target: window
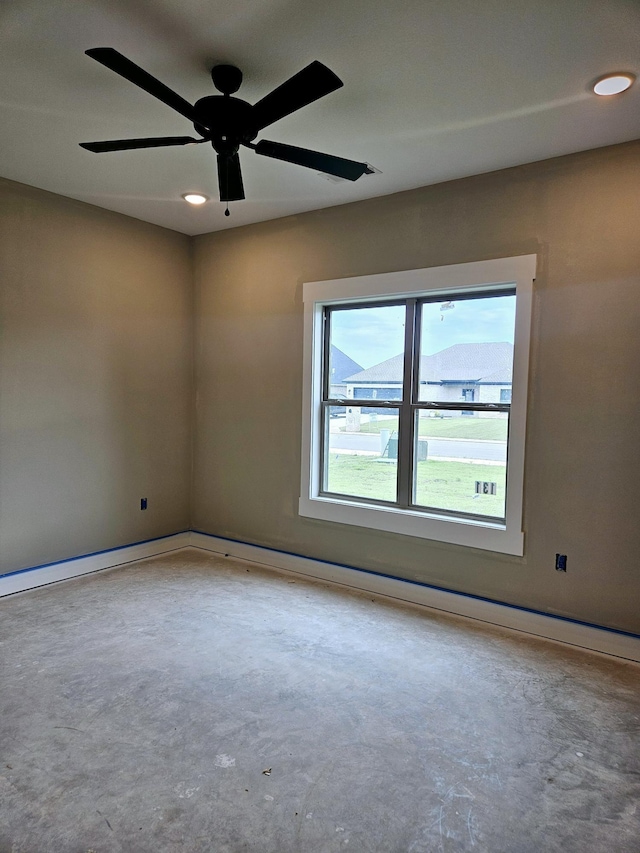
pixel 430 442
pixel 468 395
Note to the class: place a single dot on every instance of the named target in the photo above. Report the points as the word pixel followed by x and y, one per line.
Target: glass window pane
pixel 361 452
pixel 461 461
pixel 366 352
pixel 466 350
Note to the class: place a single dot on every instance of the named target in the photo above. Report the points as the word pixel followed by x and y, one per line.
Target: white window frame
pixel 491 275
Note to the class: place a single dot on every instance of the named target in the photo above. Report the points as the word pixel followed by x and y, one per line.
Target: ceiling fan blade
pixel 130 144
pixel 338 166
pixel 313 82
pixel 110 58
pixel 230 177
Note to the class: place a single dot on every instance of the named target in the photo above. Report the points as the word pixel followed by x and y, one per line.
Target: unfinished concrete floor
pixel 192 703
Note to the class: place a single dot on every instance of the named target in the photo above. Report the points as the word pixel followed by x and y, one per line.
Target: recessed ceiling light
pixel 613 84
pixel 195 198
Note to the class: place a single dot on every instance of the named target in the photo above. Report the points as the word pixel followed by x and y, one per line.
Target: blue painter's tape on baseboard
pixel 467 595
pixel 91 554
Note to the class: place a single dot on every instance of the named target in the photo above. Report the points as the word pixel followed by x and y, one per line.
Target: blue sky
pixel 372 335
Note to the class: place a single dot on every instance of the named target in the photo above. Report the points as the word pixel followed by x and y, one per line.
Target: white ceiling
pixel 432 91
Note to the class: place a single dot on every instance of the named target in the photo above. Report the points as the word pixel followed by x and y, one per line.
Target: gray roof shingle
pixel 341 365
pixel 484 362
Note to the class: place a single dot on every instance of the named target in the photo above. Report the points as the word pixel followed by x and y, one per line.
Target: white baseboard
pixel 566 631
pixel 41 575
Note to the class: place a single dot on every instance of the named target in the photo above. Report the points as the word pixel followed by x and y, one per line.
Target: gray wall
pixel 95 378
pixel 582 215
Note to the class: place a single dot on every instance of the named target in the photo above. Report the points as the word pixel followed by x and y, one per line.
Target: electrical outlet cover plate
pixel 561 562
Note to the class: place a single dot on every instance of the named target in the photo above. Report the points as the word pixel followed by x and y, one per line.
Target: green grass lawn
pixel 442 485
pixel 489 429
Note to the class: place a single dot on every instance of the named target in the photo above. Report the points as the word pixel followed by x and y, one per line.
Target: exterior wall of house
pixel 580 215
pixel 372 391
pixel 446 393
pixel 443 393
pixel 339 391
pixel 490 393
pixel 450 393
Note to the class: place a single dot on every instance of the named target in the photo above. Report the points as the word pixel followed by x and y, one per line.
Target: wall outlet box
pixel 561 562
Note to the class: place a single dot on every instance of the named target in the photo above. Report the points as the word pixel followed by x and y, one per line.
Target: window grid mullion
pixel 459 405
pixel 415 397
pixel 406 426
pixel 326 353
pixel 323 447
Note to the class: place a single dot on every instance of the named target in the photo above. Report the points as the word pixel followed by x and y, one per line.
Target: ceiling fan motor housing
pixel 226 78
pixel 227 122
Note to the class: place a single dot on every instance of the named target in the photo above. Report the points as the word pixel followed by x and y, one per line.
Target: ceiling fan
pixel 227 123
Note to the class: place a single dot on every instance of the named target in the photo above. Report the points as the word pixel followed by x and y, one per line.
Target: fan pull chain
pixel 226 184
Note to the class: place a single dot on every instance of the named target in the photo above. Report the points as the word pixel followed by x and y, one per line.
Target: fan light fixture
pixel 613 84
pixel 195 198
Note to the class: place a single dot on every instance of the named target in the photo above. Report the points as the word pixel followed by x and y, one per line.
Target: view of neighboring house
pixel 464 373
pixel 340 367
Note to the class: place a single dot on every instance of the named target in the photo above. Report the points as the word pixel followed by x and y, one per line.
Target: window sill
pixel 456 531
